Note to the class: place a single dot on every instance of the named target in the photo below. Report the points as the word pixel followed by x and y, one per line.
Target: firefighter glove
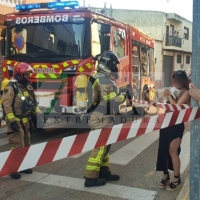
pixel 14 126
pixel 124 93
pixel 40 120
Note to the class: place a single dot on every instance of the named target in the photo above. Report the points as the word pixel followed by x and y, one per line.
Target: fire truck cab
pixel 60 40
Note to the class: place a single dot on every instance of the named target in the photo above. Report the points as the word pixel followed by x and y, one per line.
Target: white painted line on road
pixel 78 155
pixel 124 155
pixel 35 177
pixel 185 151
pixel 113 190
pixel 3 141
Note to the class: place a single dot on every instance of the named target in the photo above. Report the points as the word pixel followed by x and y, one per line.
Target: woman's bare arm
pixel 182 100
pixel 195 93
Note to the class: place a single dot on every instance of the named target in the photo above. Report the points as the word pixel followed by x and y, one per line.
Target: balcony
pixel 10 3
pixel 173 41
pixel 174 17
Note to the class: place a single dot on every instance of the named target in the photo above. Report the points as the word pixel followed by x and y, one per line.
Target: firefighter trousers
pixel 18 139
pixel 99 158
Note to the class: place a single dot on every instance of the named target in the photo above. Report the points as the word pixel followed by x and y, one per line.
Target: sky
pixel 181 7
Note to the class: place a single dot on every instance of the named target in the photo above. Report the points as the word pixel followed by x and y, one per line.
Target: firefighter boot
pixel 106 174
pixel 15 175
pixel 90 182
pixel 27 171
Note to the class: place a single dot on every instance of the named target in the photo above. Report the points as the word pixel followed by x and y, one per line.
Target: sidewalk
pixel 184 193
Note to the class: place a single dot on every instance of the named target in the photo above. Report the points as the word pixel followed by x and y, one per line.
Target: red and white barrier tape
pixel 47 152
pixel 167 107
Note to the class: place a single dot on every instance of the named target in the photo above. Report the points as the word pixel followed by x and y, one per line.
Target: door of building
pixel 167 70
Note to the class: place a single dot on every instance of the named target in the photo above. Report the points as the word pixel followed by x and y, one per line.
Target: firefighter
pixel 18 102
pixel 106 100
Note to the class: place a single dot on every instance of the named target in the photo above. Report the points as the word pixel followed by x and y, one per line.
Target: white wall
pixel 177 26
pixel 187 44
pixel 182 65
pixel 168 53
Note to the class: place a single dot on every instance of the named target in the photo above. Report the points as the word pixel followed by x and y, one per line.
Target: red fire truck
pixel 59 40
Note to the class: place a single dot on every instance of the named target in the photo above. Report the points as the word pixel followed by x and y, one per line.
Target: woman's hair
pixel 182 77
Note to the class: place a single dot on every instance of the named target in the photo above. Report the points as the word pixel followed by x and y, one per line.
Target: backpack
pixel 25 104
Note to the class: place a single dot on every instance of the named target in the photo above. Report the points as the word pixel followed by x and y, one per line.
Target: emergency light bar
pixel 27 7
pixel 70 4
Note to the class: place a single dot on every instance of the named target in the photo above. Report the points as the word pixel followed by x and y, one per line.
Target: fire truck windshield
pixel 49 42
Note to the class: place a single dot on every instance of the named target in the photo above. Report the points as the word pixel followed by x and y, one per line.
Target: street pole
pixel 195 125
pixel 83 3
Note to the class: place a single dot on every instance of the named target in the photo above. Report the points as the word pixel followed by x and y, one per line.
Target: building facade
pixel 173 39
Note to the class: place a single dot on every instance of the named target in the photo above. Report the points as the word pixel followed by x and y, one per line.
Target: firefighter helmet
pixel 108 64
pixel 20 69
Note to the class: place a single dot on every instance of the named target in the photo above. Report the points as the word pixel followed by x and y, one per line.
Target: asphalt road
pixel 134 160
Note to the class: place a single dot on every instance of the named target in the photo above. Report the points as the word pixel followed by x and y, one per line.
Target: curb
pixel 184 193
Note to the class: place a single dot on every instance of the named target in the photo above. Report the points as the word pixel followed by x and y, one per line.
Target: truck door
pixel 119 45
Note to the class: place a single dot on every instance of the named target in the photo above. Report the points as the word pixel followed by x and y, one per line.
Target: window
pixel 50 41
pixel 136 64
pixel 186 33
pixel 171 30
pixel 100 37
pixel 144 61
pixel 179 58
pixel 119 42
pixel 187 59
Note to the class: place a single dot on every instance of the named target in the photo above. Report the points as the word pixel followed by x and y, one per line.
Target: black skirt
pixel 167 135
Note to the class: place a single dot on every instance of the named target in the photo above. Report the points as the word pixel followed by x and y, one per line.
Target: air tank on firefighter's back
pixel 81 92
pixel 3 85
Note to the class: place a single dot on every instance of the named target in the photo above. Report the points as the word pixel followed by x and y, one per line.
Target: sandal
pixel 164 182
pixel 174 185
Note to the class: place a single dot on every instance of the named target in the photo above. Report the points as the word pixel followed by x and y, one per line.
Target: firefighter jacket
pixel 18 101
pixel 106 95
